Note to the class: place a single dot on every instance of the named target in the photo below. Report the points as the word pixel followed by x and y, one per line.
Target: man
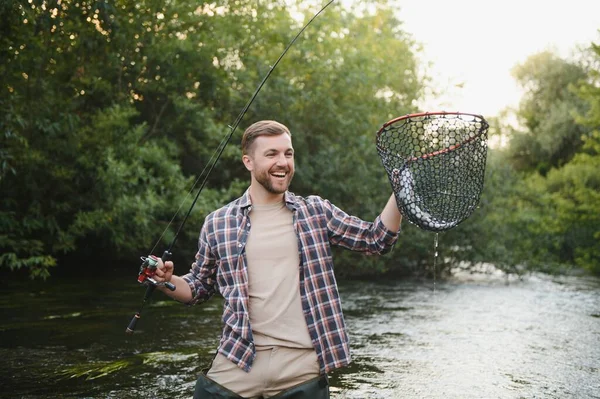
pixel 269 255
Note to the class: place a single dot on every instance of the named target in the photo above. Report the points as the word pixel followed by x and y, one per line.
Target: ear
pixel 248 163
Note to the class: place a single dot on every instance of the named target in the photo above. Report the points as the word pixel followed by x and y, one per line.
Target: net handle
pixel 439 113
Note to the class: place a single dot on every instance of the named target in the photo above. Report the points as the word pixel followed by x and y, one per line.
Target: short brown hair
pixel 262 128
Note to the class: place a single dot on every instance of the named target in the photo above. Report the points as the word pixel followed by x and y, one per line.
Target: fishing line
pixel 189 193
pixel 219 151
pixel 150 263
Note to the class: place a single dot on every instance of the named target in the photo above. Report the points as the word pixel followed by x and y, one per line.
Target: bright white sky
pixel 477 43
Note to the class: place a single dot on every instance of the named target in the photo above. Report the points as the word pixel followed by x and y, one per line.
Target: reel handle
pixel 170 286
pixel 165 257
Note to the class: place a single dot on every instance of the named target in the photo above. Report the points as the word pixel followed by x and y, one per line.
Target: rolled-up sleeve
pixel 356 234
pixel 385 236
pixel 202 276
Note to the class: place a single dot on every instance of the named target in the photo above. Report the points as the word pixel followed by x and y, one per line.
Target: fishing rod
pixel 150 263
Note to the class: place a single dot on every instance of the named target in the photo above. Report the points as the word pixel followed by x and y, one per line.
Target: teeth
pixel 279 174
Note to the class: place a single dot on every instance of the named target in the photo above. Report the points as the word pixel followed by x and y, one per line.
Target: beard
pixel 265 179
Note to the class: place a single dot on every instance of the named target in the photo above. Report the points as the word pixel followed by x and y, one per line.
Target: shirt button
pixel 240 245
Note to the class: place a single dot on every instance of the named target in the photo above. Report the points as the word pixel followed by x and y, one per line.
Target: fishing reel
pixel 146 277
pixel 148 270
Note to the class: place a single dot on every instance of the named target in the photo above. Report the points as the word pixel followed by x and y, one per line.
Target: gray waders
pixel 317 388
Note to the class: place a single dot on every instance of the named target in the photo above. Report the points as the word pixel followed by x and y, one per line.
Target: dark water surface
pixel 471 338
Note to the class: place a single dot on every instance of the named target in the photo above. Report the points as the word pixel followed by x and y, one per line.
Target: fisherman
pixel 268 253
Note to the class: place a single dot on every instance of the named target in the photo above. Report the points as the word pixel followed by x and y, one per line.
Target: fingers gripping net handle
pixel 436 165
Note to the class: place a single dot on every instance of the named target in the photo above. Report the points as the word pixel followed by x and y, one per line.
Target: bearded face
pixel 275 180
pixel 271 163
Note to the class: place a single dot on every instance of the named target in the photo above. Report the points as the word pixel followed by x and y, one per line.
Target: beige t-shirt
pixel 273 260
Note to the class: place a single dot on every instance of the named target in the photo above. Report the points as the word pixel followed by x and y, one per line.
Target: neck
pixel 260 196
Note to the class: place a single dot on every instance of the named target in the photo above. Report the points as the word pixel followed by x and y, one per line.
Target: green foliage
pixel 549 136
pixel 576 191
pixel 111 109
pixel 545 221
pixel 332 92
pixel 579 185
pixel 89 161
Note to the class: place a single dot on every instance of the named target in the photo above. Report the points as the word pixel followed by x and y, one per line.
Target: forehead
pixel 280 142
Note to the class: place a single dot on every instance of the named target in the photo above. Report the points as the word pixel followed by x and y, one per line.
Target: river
pixel 472 336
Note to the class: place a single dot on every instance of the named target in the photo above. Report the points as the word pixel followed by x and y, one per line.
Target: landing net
pixel 436 165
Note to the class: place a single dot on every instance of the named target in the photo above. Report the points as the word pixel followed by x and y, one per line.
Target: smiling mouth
pixel 280 175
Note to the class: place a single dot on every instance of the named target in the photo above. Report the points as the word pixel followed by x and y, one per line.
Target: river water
pixel 469 337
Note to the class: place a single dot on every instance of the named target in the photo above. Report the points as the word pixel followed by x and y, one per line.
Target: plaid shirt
pixel 221 265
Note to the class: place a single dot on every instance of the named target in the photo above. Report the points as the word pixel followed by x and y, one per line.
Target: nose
pixel 281 160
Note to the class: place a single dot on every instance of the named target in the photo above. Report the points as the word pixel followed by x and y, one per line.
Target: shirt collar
pixel 290 201
pixel 289 198
pixel 245 200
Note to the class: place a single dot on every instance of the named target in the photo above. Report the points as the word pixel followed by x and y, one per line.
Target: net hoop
pixel 433 114
pixel 435 162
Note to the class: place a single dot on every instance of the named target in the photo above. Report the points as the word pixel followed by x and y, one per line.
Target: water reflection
pixel 471 338
pixel 474 339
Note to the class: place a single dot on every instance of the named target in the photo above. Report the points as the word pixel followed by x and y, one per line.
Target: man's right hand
pixel 164 271
pixel 164 274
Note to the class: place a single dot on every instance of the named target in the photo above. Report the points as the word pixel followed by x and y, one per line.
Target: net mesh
pixel 436 165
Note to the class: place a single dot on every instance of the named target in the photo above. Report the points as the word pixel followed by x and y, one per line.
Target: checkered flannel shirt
pixel 221 265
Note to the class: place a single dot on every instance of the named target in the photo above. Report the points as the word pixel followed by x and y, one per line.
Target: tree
pixel 79 173
pixel 546 221
pixel 111 108
pixel 549 136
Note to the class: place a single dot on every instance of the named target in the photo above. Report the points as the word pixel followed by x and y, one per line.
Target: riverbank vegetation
pixel 110 110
